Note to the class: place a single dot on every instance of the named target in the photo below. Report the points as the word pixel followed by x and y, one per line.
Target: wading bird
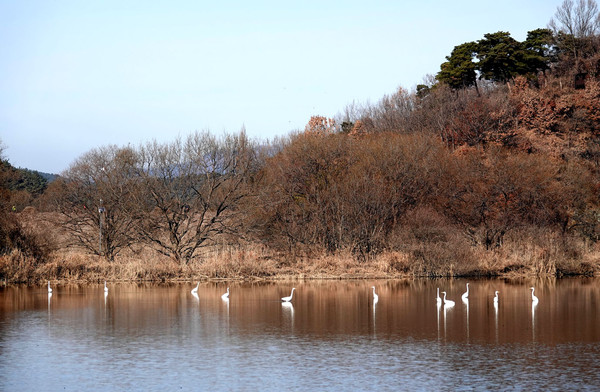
pixel 195 289
pixel 496 297
pixel 375 296
pixel 465 296
pixel 438 299
pixel 226 295
pixel 49 288
pixel 288 299
pixel 534 299
pixel 447 302
pixel 105 288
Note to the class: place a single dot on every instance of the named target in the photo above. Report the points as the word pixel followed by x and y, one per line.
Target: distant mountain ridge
pixel 48 176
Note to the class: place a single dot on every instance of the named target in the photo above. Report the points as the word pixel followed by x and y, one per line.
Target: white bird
pixel 288 299
pixel 496 297
pixel 49 288
pixel 465 296
pixel 226 295
pixel 534 299
pixel 105 288
pixel 447 302
pixel 195 289
pixel 438 299
pixel 375 296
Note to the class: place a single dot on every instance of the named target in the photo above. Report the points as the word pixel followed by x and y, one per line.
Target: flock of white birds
pixel 195 292
pixel 465 297
pixel 447 302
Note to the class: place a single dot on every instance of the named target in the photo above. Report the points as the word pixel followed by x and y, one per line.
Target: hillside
pixel 491 169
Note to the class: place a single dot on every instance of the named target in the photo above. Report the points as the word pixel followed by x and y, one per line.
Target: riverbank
pixel 259 263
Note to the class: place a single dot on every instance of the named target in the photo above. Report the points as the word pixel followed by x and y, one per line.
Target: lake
pixel 332 337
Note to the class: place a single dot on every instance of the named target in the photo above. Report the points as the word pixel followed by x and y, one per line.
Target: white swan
pixel 375 296
pixel 226 295
pixel 447 302
pixel 465 296
pixel 49 288
pixel 496 297
pixel 195 289
pixel 438 299
pixel 105 288
pixel 534 299
pixel 288 299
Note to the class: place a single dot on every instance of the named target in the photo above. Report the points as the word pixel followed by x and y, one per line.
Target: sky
pixel 77 75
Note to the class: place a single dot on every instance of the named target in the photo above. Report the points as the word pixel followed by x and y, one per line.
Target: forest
pixel 489 168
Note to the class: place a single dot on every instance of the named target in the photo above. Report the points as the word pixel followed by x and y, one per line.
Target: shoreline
pixel 259 263
pixel 290 278
pixel 524 254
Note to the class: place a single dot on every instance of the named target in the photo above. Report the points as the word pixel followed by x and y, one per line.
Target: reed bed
pixel 532 253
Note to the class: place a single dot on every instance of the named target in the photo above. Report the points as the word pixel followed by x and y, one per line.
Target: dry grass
pixel 73 266
pixel 17 267
pixel 537 253
pixel 512 260
pixel 235 263
pixel 427 251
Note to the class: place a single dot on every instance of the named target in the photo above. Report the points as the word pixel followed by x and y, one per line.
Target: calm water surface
pixel 332 338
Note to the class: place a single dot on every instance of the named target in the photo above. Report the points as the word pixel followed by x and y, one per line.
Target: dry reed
pixel 528 253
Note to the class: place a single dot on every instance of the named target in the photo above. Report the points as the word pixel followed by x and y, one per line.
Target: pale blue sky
pixel 80 74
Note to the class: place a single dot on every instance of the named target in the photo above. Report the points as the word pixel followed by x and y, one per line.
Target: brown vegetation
pixel 501 178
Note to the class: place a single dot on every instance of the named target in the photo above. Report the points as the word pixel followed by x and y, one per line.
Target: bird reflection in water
pixel 439 307
pixel 534 303
pixel 288 309
pixel 495 301
pixel 466 302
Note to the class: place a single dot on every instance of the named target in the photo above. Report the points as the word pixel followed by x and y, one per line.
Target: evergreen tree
pixel 459 70
pixel 539 51
pixel 500 56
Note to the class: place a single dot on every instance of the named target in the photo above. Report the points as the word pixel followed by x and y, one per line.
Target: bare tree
pixel 576 26
pixel 338 192
pixel 393 111
pixel 94 198
pixel 191 192
pixel 580 19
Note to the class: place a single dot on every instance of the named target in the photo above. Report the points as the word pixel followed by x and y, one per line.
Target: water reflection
pixel 141 331
pixel 225 302
pixel 495 302
pixel 466 302
pixel 533 305
pixel 335 307
pixel 288 312
pixel 439 307
pixel 446 309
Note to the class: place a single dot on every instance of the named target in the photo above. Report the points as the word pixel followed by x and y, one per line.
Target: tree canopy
pixel 459 70
pixel 497 57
